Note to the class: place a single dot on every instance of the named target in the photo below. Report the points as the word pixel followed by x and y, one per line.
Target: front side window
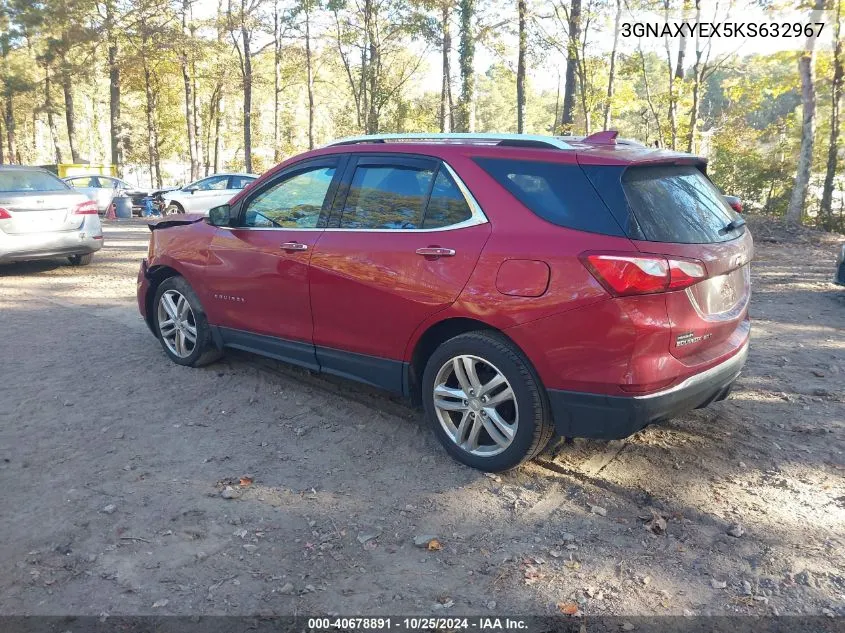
pixel 447 205
pixel 382 197
pixel 213 183
pixel 293 203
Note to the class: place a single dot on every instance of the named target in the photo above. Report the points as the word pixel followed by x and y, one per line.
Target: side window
pixel 213 183
pixel 293 203
pixel 382 197
pixel 447 205
pixel 239 182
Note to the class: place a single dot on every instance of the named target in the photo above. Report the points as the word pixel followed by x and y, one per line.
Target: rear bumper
pixel 25 246
pixel 601 416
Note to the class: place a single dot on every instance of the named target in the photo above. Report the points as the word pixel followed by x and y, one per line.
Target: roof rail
pixel 510 140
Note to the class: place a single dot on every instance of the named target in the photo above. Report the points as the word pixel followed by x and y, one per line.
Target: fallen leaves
pixel 568 608
pixel 246 480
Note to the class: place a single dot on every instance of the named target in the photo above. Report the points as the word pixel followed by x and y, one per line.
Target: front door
pixel 258 270
pixel 400 246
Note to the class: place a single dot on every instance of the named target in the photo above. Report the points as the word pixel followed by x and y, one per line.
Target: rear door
pixel 402 241
pixel 37 202
pixel 680 213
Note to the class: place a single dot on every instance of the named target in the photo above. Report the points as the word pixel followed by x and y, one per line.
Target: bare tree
pixel 611 77
pixel 466 51
pixel 835 111
pixel 446 118
pixel 522 12
pixel 806 70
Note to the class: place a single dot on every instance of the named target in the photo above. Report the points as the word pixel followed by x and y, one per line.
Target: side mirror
pixel 735 203
pixel 191 189
pixel 220 216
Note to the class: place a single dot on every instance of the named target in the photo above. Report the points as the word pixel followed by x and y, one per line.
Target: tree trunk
pixel 277 66
pixel 115 122
pixel 806 70
pixel 682 47
pixel 520 68
pixel 697 72
pixel 446 86
pixel 197 118
pixel 567 115
pixel 189 100
pixel 217 101
pixel 826 211
pixel 152 129
pixel 608 104
pixel 673 107
pixel 466 51
pixel 51 122
pixel 70 114
pixel 309 66
pixel 247 94
pixel 2 151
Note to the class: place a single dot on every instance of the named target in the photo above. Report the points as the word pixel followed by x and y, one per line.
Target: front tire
pixel 485 402
pixel 81 260
pixel 181 324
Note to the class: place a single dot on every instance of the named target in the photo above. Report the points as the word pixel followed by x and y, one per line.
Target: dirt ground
pixel 114 463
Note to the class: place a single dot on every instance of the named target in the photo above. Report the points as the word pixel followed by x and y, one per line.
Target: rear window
pixel 20 180
pixel 674 203
pixel 556 192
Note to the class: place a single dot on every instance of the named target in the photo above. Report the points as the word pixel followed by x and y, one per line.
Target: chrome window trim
pixel 476 216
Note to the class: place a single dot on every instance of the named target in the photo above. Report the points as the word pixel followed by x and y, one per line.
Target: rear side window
pixel 383 197
pixel 677 203
pixel 14 180
pixel 556 192
pixel 447 205
pixel 239 182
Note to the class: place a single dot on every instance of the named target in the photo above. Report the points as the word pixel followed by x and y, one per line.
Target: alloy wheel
pixel 476 405
pixel 177 324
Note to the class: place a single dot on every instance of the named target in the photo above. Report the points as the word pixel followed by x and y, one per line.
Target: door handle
pixel 294 246
pixel 436 251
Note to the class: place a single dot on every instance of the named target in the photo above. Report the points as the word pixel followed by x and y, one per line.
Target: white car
pixel 202 195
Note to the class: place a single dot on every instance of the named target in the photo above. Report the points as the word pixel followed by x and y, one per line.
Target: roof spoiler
pixel 605 137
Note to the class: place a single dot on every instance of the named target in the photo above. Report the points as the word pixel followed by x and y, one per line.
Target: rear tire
pixel 485 402
pixel 181 325
pixel 174 208
pixel 81 260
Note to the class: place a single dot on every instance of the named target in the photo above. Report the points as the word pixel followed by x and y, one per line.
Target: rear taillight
pixel 624 275
pixel 88 207
pixel 5 215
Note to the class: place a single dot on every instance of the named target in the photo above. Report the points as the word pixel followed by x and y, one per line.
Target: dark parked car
pixel 516 285
pixel 839 277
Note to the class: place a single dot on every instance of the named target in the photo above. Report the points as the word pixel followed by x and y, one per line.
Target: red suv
pixel 515 285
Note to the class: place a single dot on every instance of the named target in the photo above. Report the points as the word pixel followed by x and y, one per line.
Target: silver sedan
pixel 41 217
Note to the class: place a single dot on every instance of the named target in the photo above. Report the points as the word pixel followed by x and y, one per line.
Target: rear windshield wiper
pixel 733 225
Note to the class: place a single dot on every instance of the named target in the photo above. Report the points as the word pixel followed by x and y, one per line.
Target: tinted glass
pixel 213 183
pixel 386 198
pixel 293 203
pixel 30 180
pixel 559 193
pixel 239 182
pixel 447 204
pixel 674 203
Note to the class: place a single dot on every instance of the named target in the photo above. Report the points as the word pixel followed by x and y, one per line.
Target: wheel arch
pixel 436 334
pixel 156 275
